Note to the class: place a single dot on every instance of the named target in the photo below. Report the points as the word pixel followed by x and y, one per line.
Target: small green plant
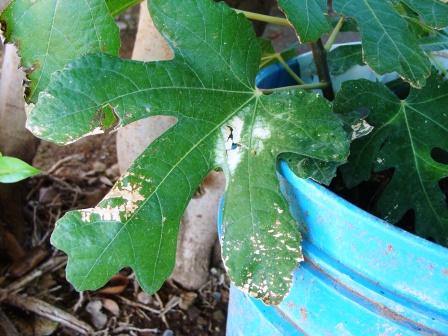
pixel 14 170
pixel 80 87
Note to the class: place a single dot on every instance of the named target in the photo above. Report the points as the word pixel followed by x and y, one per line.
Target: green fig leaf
pixel 307 18
pixel 51 33
pixel 223 122
pixel 405 137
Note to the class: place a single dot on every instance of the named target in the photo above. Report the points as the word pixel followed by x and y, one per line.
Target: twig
pixel 159 300
pixel 48 311
pixel 264 18
pixel 7 326
pixel 139 305
pixel 172 303
pixel 141 330
pixel 320 59
pixel 52 169
pixel 77 157
pixel 51 265
pixel 78 303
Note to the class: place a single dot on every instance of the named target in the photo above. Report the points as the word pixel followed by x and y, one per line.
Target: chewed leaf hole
pixel 108 117
pixel 439 155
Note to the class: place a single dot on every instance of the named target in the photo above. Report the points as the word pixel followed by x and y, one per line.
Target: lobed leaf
pixel 307 18
pixel 406 133
pixel 51 33
pixel 387 41
pixel 223 122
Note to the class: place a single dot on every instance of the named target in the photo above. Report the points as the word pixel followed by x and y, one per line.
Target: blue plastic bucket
pixel 361 275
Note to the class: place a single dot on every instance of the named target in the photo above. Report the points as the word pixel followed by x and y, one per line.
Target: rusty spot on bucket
pixel 390 248
pixel 303 313
pixel 445 271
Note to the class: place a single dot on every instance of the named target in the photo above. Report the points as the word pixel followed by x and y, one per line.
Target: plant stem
pixel 288 69
pixel 311 86
pixel 320 59
pixel 334 34
pixel 330 9
pixel 264 18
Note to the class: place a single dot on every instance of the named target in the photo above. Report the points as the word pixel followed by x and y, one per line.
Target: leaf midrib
pixel 218 53
pixel 387 34
pixel 161 183
pixel 110 101
pixel 47 50
pixel 416 163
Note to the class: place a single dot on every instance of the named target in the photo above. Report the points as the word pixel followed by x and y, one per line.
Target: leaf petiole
pixel 334 34
pixel 264 18
pixel 288 69
pixel 312 86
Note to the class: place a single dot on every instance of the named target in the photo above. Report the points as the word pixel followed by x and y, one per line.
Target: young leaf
pixel 51 33
pixel 14 170
pixel 388 43
pixel 223 121
pixel 404 137
pixel 307 18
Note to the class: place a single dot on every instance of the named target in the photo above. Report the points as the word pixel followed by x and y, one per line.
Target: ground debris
pixel 76 178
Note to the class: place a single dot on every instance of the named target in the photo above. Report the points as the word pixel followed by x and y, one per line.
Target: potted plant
pixel 225 121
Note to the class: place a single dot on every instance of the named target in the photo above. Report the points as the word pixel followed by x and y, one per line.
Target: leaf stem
pixel 334 34
pixel 320 59
pixel 288 69
pixel 264 18
pixel 311 86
